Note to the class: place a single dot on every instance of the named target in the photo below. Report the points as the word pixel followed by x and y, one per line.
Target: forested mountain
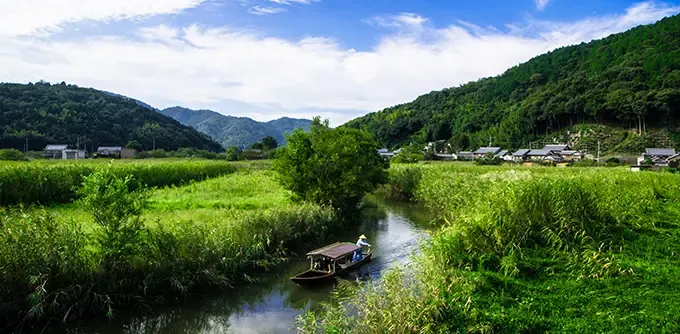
pixel 629 80
pixel 239 131
pixel 67 114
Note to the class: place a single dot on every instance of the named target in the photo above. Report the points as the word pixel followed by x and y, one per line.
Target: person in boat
pixel 359 253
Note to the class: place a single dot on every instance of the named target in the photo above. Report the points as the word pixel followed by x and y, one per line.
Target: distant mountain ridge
pixel 44 113
pixel 235 131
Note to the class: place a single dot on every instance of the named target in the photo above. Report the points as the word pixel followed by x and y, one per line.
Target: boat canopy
pixel 335 251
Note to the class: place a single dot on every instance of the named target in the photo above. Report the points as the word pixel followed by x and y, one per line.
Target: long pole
pixel 598 151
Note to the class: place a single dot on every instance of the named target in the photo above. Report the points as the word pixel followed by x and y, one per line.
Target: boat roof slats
pixel 335 250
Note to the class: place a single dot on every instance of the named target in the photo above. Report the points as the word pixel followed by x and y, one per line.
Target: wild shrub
pixel 116 210
pixel 11 155
pixel 403 182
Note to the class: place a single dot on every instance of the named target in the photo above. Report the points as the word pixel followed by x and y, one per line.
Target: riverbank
pixel 206 235
pixel 528 250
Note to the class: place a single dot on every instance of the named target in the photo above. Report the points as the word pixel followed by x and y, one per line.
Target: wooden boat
pixel 330 261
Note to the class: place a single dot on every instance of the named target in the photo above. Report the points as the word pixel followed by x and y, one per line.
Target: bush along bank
pixel 45 183
pixel 56 270
pixel 530 250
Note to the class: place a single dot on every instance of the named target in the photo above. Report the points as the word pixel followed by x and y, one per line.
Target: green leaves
pixel 333 167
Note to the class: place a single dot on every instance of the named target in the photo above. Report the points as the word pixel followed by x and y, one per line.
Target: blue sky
pixel 271 58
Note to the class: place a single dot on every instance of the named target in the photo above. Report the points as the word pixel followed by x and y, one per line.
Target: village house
pixel 542 155
pixel 571 155
pixel 483 151
pixel 674 160
pixel 54 151
pixel 556 148
pixel 445 156
pixel 520 155
pixel 658 156
pixel 109 151
pixel 62 152
pixel 504 155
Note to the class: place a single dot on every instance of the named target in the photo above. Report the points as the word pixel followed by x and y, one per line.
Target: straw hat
pixel 362 236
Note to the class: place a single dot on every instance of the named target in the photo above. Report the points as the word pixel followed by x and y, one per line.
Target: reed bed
pixel 49 182
pixel 529 250
pixel 59 263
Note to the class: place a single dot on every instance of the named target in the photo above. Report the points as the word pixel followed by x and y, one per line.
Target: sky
pixel 265 59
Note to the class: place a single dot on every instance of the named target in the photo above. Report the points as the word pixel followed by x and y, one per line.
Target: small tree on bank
pixel 334 167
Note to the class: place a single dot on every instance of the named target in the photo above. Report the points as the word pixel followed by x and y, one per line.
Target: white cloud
pixel 197 66
pixel 260 10
pixel 44 16
pixel 402 20
pixel 541 4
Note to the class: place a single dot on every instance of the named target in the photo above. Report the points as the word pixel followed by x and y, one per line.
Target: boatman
pixel 359 254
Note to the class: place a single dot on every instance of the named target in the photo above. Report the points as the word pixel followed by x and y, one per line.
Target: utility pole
pixel 598 151
pixel 154 144
pixel 490 141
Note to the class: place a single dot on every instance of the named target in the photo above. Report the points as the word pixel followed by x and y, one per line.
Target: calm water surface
pixel 393 229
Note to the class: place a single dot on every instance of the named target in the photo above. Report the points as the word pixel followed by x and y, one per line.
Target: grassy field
pixel 57 263
pixel 528 250
pixel 56 181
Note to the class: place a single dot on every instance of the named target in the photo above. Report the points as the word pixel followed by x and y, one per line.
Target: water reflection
pixel 393 229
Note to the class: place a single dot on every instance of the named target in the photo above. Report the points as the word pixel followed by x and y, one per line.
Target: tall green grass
pixel 88 258
pixel 530 250
pixel 38 182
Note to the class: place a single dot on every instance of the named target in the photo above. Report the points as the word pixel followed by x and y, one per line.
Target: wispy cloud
pixel 46 16
pixel 541 4
pixel 261 10
pixel 402 21
pixel 199 66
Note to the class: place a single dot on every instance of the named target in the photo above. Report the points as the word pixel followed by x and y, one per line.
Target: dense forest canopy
pixel 236 131
pixel 629 80
pixel 66 114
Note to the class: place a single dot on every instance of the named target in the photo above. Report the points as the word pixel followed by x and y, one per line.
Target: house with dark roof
pixel 483 151
pixel 556 148
pixel 570 155
pixel 542 155
pixel 54 151
pixel 504 154
pixel 109 151
pixel 658 156
pixel 520 155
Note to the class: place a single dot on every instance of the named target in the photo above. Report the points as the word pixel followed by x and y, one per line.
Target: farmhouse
pixel 62 152
pixel 520 155
pixel 658 156
pixel 54 151
pixel 541 155
pixel 571 155
pixel 445 156
pixel 505 155
pixel 483 151
pixel 556 148
pixel 109 151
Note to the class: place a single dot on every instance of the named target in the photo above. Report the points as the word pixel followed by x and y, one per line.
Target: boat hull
pixel 312 277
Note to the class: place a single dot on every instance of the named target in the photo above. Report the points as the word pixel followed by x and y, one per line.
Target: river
pixel 394 231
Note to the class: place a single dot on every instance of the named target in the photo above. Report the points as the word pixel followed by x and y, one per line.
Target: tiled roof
pixel 667 152
pixel 485 150
pixel 521 152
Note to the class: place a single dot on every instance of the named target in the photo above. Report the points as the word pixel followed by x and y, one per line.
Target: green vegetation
pixel 628 80
pixel 47 182
pixel 528 249
pixel 11 155
pixel 241 132
pixel 66 114
pixel 118 247
pixel 331 167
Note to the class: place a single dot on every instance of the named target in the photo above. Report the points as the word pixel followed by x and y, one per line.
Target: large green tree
pixel 334 167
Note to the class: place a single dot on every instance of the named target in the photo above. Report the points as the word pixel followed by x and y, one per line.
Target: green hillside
pixel 238 131
pixel 67 114
pixel 628 81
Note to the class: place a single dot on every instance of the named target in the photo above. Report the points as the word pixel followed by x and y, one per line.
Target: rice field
pixel 60 263
pixel 528 250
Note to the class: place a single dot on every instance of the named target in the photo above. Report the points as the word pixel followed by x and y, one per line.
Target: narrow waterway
pixel 394 231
